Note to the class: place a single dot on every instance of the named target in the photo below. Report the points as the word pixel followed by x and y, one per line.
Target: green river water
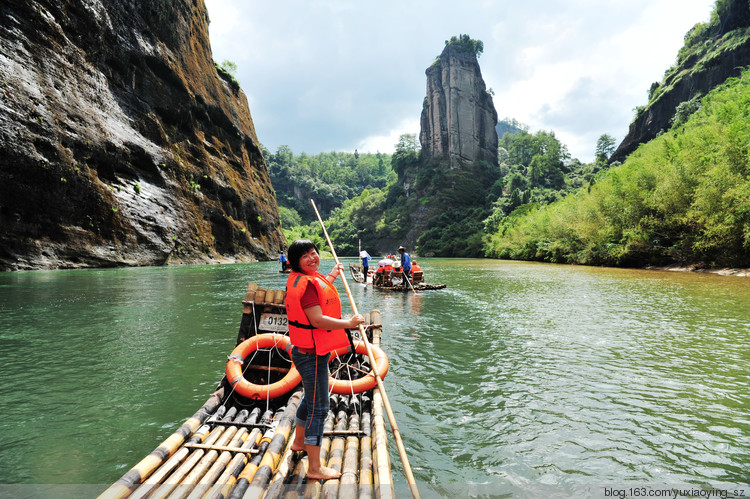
pixel 517 380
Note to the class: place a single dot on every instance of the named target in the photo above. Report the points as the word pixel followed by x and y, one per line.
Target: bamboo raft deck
pixel 358 276
pixel 236 447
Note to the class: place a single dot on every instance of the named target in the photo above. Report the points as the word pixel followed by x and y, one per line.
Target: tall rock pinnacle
pixel 458 115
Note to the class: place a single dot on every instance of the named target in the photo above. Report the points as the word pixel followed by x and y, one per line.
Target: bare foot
pixel 324 473
pixel 298 447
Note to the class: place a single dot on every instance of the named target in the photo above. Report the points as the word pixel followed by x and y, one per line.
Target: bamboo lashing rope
pixel 389 412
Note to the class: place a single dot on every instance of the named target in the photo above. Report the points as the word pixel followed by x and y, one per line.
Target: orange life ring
pixel 367 382
pixel 251 390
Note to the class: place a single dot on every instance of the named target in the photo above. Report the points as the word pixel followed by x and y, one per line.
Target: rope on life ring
pixel 367 382
pixel 251 390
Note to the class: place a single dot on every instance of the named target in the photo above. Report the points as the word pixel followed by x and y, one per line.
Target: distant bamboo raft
pixel 235 447
pixel 357 273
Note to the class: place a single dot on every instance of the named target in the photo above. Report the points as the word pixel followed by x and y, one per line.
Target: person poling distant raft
pixel 315 329
pixel 378 378
pixel 284 263
pixel 405 261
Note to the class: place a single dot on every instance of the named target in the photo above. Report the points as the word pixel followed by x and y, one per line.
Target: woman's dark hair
pixel 297 249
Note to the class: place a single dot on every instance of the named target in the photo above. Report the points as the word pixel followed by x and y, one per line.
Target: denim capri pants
pixel 313 408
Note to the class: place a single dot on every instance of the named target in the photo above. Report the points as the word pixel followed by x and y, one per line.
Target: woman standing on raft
pixel 315 329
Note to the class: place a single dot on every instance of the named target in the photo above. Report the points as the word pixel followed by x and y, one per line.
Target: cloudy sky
pixel 340 75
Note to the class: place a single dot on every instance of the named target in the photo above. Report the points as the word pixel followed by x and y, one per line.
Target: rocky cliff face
pixel 458 116
pixel 121 144
pixel 724 53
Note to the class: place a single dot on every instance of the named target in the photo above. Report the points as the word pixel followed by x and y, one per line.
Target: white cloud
pixel 386 143
pixel 338 75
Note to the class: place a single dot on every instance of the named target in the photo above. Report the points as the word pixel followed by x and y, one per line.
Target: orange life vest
pixel 301 332
pixel 416 268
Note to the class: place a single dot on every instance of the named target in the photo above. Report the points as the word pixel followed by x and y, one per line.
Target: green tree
pixel 406 154
pixel 605 146
pixel 229 66
pixel 465 41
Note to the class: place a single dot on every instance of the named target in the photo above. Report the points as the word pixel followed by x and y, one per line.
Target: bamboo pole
pixel 286 464
pixel 201 468
pixel 279 296
pixel 349 468
pixel 296 485
pixel 270 461
pixel 336 455
pixel 246 476
pixel 409 281
pixel 219 466
pixel 177 462
pixel 313 487
pixel 141 471
pixel 365 458
pixel 381 461
pixel 381 387
pixel 226 481
pixel 181 472
pixel 165 469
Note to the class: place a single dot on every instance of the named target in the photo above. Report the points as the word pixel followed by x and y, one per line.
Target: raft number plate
pixel 274 322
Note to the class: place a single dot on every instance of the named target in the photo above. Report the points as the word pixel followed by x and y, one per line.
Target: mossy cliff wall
pixel 121 144
pixel 713 52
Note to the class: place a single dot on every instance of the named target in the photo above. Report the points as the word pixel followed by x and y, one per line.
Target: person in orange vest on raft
pixel 313 308
pixel 385 268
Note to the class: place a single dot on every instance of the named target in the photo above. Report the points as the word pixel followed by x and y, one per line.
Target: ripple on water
pixel 514 376
pixel 565 375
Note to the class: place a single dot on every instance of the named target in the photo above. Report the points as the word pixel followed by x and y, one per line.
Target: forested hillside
pixel 361 200
pixel 328 178
pixel 682 198
pixel 533 168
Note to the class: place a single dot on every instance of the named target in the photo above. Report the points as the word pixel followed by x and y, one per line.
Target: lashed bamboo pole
pixel 181 472
pixel 365 458
pixel 248 472
pixel 228 479
pixel 141 471
pixel 286 466
pixel 197 480
pixel 218 467
pixel 243 480
pixel 206 461
pixel 350 467
pixel 165 469
pixel 336 455
pixel 272 456
pixel 155 481
pixel 279 296
pixel 296 483
pixel 381 461
pixel 381 387
pixel 312 488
